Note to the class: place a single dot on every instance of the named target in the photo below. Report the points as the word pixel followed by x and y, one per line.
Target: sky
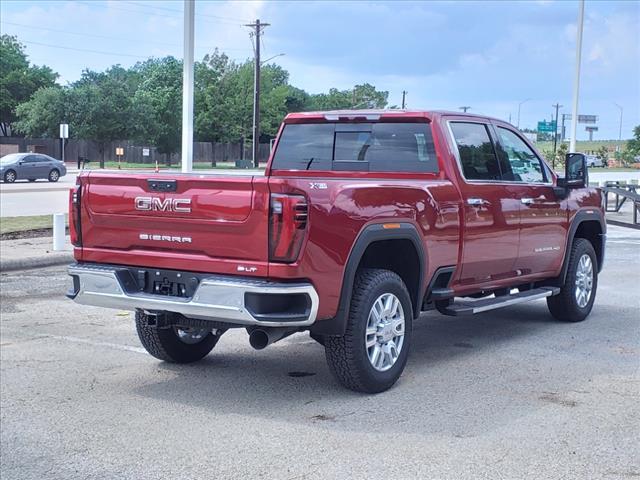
pixel 490 56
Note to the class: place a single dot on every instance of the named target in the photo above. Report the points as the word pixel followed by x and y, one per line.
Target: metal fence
pixel 203 152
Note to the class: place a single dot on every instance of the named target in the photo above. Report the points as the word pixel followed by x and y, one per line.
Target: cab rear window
pixel 373 147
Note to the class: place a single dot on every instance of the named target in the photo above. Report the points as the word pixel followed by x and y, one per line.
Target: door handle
pixel 477 202
pixel 531 201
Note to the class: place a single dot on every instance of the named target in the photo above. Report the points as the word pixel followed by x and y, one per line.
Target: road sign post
pixel 64 134
pixel 547 127
pixel 119 155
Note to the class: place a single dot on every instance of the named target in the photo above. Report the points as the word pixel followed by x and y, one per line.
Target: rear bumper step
pixel 218 298
pixel 486 304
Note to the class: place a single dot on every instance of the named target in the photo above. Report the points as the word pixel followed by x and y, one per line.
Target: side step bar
pixel 486 304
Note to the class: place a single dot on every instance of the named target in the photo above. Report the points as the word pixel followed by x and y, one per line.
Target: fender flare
pixel 579 218
pixel 368 235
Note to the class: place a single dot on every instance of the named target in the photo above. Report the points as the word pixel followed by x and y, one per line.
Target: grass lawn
pixel 584 145
pixel 22 224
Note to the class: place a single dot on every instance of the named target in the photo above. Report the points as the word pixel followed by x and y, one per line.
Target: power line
pixel 111 6
pixel 155 7
pixel 85 50
pixel 106 37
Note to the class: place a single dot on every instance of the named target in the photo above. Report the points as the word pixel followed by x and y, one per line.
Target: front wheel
pixel 175 344
pixel 372 354
pixel 54 175
pixel 576 297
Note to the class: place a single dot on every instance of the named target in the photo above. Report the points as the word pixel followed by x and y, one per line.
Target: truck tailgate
pixel 175 217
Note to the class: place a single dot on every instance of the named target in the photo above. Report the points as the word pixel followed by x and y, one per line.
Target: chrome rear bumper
pixel 217 298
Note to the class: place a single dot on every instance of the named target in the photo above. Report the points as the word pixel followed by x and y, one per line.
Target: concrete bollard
pixel 59 233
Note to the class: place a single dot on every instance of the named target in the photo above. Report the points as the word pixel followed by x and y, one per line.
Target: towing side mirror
pixel 575 171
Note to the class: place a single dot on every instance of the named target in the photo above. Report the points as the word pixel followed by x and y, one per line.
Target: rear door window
pixel 306 146
pixel 477 154
pixel 375 147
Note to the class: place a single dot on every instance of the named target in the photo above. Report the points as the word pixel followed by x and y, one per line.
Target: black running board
pixel 484 305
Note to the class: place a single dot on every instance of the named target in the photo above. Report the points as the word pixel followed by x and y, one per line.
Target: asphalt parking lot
pixel 508 394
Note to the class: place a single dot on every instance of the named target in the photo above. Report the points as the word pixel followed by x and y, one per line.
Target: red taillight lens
pixel 74 215
pixel 287 226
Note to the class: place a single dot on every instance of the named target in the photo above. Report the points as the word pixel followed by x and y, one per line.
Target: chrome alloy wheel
pixel 54 175
pixel 584 281
pixel 191 336
pixel 384 335
pixel 10 176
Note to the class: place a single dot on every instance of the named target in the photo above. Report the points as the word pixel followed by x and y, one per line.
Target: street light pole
pixel 464 109
pixel 271 58
pixel 620 130
pixel 520 105
pixel 576 80
pixel 187 88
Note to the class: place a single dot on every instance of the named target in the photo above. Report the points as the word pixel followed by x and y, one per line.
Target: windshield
pixel 11 158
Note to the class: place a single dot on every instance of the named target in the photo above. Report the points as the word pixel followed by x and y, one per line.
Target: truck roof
pixel 374 115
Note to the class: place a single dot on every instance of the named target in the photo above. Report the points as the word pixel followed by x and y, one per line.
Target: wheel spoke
pixel 398 326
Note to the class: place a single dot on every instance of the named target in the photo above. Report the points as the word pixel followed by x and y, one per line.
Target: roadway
pixel 44 198
pixel 509 394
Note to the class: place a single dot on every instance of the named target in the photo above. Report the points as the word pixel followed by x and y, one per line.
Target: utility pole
pixel 258 27
pixel 555 132
pixel 404 94
pixel 576 80
pixel 562 129
pixel 464 109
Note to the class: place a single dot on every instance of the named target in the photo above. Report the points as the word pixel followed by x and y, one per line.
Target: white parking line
pixel 116 346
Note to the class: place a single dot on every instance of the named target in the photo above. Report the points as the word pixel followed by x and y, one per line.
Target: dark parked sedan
pixel 30 166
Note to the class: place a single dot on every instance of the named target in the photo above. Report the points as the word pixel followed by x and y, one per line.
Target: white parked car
pixel 594 161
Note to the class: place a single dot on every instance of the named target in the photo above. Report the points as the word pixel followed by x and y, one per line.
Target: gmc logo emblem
pixel 157 204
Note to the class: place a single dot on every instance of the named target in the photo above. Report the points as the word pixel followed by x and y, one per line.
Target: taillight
pixel 287 226
pixel 75 232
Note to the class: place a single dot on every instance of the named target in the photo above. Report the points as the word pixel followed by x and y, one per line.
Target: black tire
pixel 564 306
pixel 347 355
pixel 54 175
pixel 10 176
pixel 165 344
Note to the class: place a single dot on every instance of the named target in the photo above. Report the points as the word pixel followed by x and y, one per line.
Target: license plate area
pixel 168 283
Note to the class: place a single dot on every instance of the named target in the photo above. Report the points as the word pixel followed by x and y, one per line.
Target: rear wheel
pixel 54 175
pixel 372 354
pixel 10 176
pixel 576 297
pixel 175 344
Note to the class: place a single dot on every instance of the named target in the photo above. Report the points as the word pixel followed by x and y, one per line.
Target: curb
pixel 50 260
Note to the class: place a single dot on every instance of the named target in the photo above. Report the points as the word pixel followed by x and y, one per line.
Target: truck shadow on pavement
pixel 448 354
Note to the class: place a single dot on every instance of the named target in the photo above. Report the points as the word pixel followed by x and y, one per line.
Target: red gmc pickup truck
pixel 361 221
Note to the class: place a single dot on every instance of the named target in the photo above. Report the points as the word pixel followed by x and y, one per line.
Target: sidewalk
pixel 32 253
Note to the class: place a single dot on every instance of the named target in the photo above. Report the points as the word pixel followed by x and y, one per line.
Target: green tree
pixel 603 154
pixel 361 96
pixel 18 79
pixel 633 145
pixel 101 106
pixel 41 115
pixel 158 104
